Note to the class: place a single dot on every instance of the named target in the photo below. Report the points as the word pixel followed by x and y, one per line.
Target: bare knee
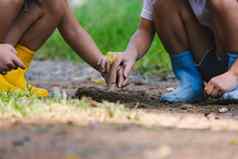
pixel 57 7
pixel 221 6
pixel 169 24
pixel 170 10
pixel 162 8
pixel 13 3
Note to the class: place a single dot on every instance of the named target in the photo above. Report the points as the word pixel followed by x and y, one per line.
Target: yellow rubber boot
pixel 17 77
pixel 5 86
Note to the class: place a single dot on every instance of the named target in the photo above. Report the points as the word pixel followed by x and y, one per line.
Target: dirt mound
pixel 134 94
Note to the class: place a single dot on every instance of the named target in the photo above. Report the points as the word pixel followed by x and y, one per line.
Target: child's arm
pixel 80 40
pixel 141 40
pixel 137 48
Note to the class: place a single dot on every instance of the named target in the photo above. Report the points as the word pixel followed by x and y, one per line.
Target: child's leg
pixel 179 29
pixel 224 16
pixel 186 41
pixel 224 20
pixel 39 28
pixel 9 9
pixel 33 27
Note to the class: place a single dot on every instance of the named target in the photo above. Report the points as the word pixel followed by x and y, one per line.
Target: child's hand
pixel 110 59
pixel 218 85
pixel 8 59
pixel 121 66
pixel 103 65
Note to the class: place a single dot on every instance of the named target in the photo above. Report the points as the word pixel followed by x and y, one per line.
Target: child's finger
pixel 103 65
pixel 99 62
pixel 127 69
pixel 99 65
pixel 11 66
pixel 206 87
pixel 215 92
pixel 120 77
pixel 218 92
pixel 125 82
pixel 18 63
pixel 209 88
pixel 108 66
pixel 110 58
pixel 113 73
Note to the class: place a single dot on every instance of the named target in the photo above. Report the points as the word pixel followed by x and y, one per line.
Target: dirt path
pixel 57 141
pixel 183 131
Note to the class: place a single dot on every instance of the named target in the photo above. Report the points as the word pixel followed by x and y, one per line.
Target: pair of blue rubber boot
pixel 191 88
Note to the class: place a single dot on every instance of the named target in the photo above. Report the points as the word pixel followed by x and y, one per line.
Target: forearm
pixel 83 44
pixel 139 44
pixel 79 39
pixel 142 39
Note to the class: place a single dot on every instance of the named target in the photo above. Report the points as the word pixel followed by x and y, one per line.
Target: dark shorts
pixel 212 65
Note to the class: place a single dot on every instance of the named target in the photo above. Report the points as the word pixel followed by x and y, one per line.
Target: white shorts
pixel 199 8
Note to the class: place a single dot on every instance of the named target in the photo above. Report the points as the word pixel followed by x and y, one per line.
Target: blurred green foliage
pixel 111 24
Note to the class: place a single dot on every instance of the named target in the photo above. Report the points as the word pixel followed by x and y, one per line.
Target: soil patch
pixel 183 131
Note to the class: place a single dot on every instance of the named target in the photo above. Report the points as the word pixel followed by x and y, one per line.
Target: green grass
pixel 111 24
pixel 23 106
pixel 20 108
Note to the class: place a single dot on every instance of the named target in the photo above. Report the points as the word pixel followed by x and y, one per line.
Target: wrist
pixel 132 54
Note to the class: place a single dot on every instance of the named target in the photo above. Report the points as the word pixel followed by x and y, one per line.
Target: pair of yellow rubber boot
pixel 15 80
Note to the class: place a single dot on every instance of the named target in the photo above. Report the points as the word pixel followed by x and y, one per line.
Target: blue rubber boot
pixel 186 71
pixel 232 95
